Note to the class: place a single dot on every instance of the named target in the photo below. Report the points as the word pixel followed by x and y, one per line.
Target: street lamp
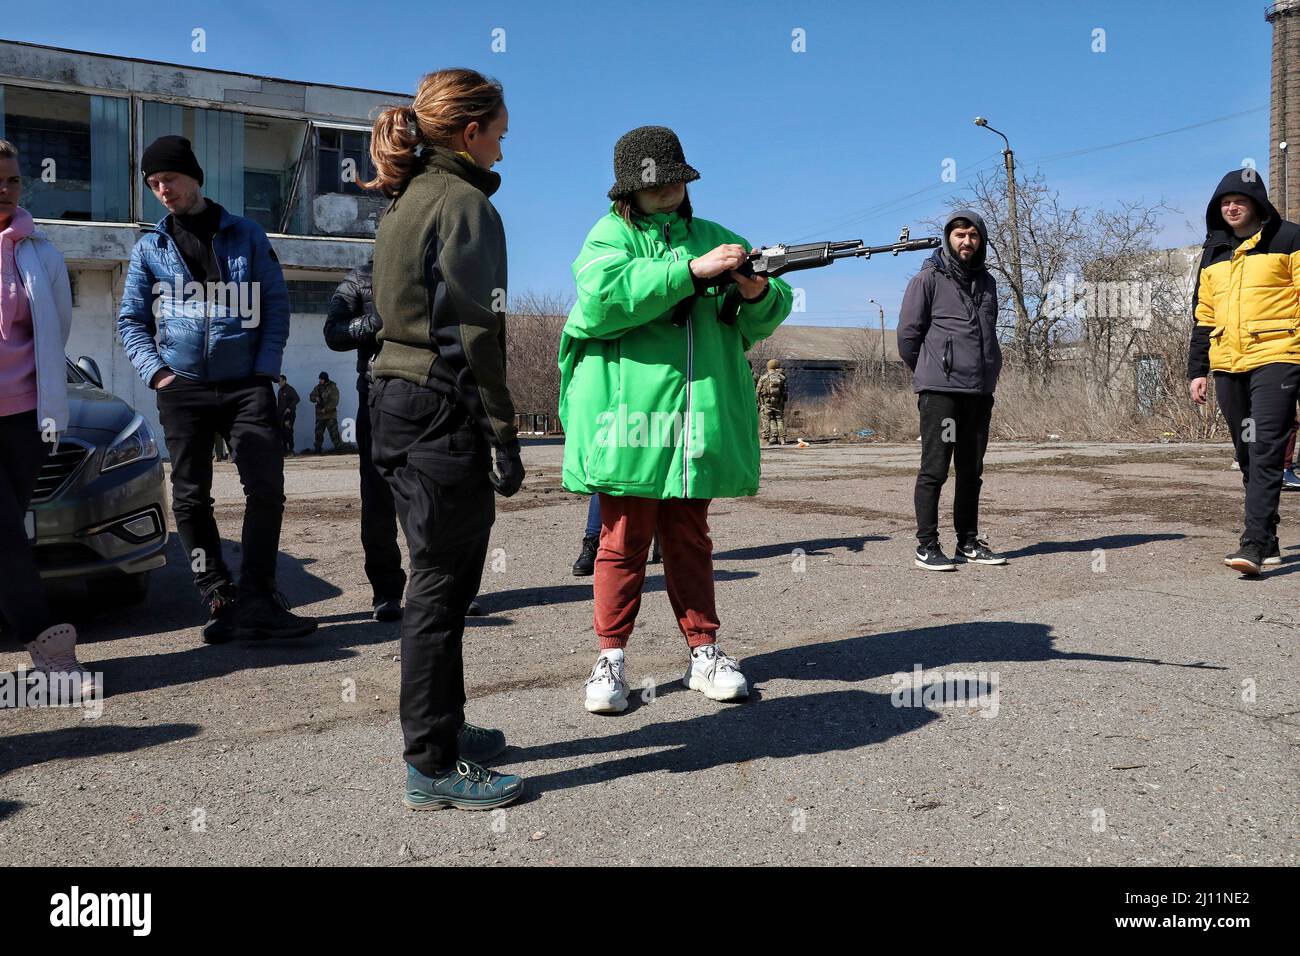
pixel 1286 204
pixel 1022 319
pixel 882 337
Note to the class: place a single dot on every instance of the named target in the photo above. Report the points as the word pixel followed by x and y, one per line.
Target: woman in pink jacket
pixel 35 318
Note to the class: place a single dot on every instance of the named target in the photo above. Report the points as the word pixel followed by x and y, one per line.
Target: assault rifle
pixel 780 259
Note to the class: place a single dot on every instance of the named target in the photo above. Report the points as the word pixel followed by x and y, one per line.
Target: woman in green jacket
pixel 657 401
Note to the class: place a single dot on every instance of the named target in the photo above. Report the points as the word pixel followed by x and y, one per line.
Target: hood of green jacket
pixel 651 409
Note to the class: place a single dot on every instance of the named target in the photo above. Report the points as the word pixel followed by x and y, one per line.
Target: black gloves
pixel 363 329
pixel 507 469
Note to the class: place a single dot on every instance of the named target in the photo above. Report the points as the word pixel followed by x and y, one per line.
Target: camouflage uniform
pixel 772 394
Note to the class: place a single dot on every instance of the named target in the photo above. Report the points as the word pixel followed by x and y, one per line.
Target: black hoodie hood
pixel 1247 182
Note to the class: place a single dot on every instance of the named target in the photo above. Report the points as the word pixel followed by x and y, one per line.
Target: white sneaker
pixel 606 688
pixel 715 675
pixel 54 654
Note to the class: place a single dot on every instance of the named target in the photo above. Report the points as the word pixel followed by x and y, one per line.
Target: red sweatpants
pixel 627 526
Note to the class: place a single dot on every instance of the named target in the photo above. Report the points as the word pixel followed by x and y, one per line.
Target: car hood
pixel 94 410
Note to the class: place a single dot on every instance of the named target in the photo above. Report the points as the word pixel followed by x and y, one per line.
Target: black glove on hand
pixel 363 329
pixel 507 469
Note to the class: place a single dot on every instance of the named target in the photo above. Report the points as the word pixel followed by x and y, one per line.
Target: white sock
pixel 614 653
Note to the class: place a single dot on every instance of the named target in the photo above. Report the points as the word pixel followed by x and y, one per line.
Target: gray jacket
pixel 947 326
pixel 49 294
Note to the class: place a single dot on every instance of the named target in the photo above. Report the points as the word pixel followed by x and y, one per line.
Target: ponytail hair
pixel 445 103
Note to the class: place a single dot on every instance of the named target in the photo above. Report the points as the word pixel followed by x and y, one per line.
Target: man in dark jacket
pixel 353 324
pixel 1246 332
pixel 947 335
pixel 219 344
pixel 286 406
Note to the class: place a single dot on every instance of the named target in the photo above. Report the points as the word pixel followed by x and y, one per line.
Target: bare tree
pixel 533 325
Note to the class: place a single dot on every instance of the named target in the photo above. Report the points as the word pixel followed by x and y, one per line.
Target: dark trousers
pixel 22 597
pixel 1260 407
pixel 952 426
pixel 243 412
pixel 437 467
pixel 378 517
pixel 290 418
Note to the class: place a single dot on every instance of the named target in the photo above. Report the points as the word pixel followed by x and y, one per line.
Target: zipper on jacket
pixel 690 371
pixel 178 295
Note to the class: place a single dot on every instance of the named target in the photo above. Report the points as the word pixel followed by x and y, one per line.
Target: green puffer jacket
pixel 650 409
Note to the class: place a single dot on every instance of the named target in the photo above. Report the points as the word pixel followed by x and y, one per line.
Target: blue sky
pixel 815 144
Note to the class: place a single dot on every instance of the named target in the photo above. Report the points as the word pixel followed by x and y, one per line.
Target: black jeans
pixel 951 424
pixel 437 466
pixel 290 419
pixel 1259 406
pixel 378 516
pixel 243 412
pixel 22 596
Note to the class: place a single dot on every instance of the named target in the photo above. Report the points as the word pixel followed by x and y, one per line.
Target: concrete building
pixel 288 155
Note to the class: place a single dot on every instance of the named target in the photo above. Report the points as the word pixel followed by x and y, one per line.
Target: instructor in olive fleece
pixel 441 414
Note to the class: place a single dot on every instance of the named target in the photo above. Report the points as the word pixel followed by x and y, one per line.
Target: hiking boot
pixel 715 675
pixel 54 654
pixel 223 616
pixel 1247 559
pixel 479 744
pixel 466 786
pixel 606 688
pixel 1290 479
pixel 265 617
pixel 978 552
pixel 388 610
pixel 1274 553
pixel 585 566
pixel 932 558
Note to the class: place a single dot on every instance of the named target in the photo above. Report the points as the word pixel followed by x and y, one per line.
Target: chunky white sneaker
pixel 606 688
pixel 715 675
pixel 54 653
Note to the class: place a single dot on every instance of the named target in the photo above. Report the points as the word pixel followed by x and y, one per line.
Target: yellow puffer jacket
pixel 1247 302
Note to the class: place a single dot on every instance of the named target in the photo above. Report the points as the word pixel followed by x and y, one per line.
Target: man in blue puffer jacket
pixel 204 320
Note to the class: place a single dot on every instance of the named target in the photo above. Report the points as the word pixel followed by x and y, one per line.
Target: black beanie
pixel 171 154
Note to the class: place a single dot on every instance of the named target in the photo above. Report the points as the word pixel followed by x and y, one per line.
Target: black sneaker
pixel 388 610
pixel 978 552
pixel 932 558
pixel 1274 553
pixel 1247 559
pixel 223 616
pixel 475 609
pixel 266 617
pixel 585 566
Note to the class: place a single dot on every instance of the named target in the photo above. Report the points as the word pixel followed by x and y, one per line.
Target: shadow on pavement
pixel 819 546
pixel 1110 541
pixel 89 740
pixel 800 725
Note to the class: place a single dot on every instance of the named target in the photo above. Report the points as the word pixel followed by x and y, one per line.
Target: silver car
pixel 98 516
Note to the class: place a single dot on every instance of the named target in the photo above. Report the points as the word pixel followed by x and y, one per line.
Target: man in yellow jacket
pixel 1247 309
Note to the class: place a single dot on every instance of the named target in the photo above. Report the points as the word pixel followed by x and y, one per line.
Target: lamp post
pixel 1286 197
pixel 882 337
pixel 1022 319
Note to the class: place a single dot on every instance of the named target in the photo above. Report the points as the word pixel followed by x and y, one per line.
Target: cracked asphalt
pixel 1137 701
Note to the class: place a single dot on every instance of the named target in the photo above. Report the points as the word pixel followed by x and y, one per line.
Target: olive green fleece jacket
pixel 440 289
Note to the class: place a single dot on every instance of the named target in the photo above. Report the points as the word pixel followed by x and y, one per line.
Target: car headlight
pixel 134 443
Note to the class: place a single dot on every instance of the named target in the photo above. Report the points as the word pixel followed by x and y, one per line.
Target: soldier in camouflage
pixel 772 393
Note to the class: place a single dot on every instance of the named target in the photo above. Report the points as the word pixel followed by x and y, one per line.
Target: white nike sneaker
pixel 606 688
pixel 54 653
pixel 715 675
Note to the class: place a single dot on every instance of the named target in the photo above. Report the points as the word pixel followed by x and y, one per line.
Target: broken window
pixel 73 150
pixel 249 162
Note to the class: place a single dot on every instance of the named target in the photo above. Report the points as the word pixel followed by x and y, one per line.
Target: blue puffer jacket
pixel 240 332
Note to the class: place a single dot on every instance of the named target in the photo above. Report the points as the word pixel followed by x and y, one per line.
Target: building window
pixel 310 298
pixel 343 161
pixel 73 150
